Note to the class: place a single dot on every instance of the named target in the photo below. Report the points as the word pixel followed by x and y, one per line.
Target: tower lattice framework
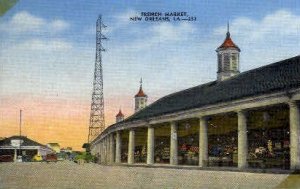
pixel 97 123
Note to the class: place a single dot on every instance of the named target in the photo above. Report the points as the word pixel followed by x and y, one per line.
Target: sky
pixel 47 56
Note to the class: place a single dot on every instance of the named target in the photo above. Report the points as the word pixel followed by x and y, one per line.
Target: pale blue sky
pixel 48 47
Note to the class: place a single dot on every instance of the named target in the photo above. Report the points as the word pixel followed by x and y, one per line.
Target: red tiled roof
pixel 140 93
pixel 228 43
pixel 120 114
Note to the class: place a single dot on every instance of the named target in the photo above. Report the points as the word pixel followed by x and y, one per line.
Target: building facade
pixel 243 120
pixel 22 146
pixel 54 146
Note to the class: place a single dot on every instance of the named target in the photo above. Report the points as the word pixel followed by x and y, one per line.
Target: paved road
pixel 71 175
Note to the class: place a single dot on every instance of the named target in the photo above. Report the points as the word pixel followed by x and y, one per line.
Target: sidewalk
pixel 71 175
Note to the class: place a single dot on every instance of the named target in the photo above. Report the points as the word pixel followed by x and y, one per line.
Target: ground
pixel 70 175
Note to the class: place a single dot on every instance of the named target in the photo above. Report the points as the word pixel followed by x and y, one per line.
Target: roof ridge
pixel 259 68
pixel 25 138
pixel 242 73
pixel 268 65
pixel 164 97
pixel 187 89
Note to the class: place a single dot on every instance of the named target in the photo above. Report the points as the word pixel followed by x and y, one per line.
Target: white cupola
pixel 228 58
pixel 140 98
pixel 119 116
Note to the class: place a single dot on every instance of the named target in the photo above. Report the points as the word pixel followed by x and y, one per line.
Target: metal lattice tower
pixel 97 124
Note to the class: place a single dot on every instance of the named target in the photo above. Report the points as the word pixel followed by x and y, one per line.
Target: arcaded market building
pixel 242 120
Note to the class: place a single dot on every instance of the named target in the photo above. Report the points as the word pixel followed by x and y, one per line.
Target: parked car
pixel 37 158
pixel 60 156
pixel 51 158
pixel 6 158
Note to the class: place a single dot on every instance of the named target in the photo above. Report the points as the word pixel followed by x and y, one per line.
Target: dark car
pixel 51 158
pixel 6 158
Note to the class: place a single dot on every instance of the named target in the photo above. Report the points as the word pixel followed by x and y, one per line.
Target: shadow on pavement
pixel 292 181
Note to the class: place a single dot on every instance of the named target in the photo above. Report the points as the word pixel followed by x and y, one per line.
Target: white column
pixel 118 147
pixel 242 140
pixel 131 147
pixel 203 142
pixel 103 151
pixel 294 135
pixel 150 145
pixel 174 145
pixel 106 149
pixel 111 148
pixel 15 155
pixel 100 151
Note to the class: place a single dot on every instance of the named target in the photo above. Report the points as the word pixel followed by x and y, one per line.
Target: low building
pixel 54 146
pixel 66 150
pixel 21 145
pixel 241 120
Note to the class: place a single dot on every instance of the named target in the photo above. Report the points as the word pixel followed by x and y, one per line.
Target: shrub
pixel 88 157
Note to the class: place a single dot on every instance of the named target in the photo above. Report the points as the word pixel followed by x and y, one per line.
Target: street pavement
pixel 69 175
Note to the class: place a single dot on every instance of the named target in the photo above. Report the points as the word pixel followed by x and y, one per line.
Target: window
pixel 226 62
pixel 234 62
pixel 219 62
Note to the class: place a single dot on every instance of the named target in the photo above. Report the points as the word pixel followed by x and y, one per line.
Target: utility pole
pixel 97 124
pixel 20 133
pixel 20 124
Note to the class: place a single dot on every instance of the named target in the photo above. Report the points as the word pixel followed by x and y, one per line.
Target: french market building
pixel 243 120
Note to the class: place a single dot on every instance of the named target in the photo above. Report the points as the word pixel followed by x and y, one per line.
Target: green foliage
pixel 88 157
pixel 87 147
pixel 5 5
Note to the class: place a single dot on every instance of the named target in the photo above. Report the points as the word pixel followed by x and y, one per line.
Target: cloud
pixel 162 34
pixel 24 22
pixel 41 45
pixel 281 22
pixel 59 25
pixel 46 67
pixel 272 38
pixel 171 32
